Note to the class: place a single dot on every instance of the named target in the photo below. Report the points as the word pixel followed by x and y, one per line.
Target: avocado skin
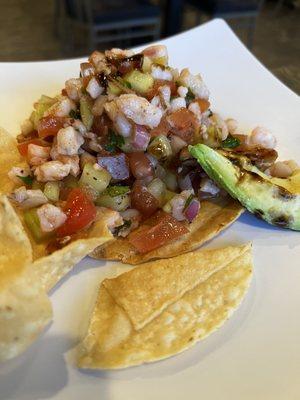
pixel 268 201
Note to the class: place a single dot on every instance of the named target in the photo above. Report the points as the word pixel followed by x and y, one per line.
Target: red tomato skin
pixel 140 165
pixel 49 126
pixel 23 146
pixel 142 200
pixel 166 230
pixel 80 211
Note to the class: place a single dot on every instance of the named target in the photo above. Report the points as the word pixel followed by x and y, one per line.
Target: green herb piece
pixel 231 142
pixel 127 84
pixel 114 142
pixel 26 179
pixel 74 114
pixel 127 224
pixel 114 191
pixel 189 97
pixel 188 201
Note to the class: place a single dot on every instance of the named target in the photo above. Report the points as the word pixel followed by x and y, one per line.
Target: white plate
pixel 256 355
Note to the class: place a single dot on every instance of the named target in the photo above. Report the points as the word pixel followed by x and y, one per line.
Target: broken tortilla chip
pixel 25 309
pixel 164 307
pixel 211 220
pixel 10 157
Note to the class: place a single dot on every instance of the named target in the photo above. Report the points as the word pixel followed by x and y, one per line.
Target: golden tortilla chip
pixel 211 220
pixel 186 310
pixel 25 309
pixel 10 157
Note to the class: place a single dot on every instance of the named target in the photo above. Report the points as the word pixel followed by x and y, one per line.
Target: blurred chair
pixel 244 10
pixel 114 21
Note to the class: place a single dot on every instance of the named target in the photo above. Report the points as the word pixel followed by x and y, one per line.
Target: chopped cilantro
pixel 188 201
pixel 189 97
pixel 127 224
pixel 127 84
pixel 114 191
pixel 74 114
pixel 231 142
pixel 26 179
pixel 114 141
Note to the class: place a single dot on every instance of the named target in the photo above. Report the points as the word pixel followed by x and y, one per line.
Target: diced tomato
pixel 182 123
pixel 166 230
pixel 203 104
pixel 163 128
pixel 142 200
pixel 80 210
pixel 161 82
pixel 23 146
pixel 49 126
pixel 140 165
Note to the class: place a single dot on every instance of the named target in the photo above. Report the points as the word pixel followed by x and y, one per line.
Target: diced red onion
pixel 117 166
pixel 141 138
pixel 192 210
pixel 185 182
pixel 177 144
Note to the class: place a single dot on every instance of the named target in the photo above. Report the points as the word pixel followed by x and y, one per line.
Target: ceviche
pixel 117 138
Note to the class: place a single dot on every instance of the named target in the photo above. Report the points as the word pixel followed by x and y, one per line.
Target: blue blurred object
pixel 246 11
pixel 117 22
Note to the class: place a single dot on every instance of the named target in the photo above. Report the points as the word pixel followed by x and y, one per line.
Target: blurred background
pixel 53 29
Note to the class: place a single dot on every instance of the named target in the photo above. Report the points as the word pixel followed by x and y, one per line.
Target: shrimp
pixel 26 127
pixel 132 215
pixel 94 89
pixel 61 108
pixel 283 169
pixel 52 171
pixel 37 155
pixel 232 125
pixel 74 88
pixel 221 124
pixel 50 217
pixel 113 219
pixel 182 91
pixel 72 161
pixel 139 110
pixel 69 141
pixel 158 72
pixel 118 53
pixel 177 103
pixel 262 137
pixel 99 61
pixel 156 51
pixel 28 198
pixel 194 83
pixel 121 123
pixel 19 172
pixel 196 110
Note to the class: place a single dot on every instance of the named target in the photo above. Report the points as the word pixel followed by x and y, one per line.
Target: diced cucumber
pixel 97 179
pixel 160 148
pixel 113 89
pixel 33 224
pixel 170 180
pixel 169 195
pixel 147 62
pixel 117 203
pixel 114 191
pixel 41 106
pixel 139 81
pixel 37 185
pixel 158 189
pixel 86 111
pixel 51 190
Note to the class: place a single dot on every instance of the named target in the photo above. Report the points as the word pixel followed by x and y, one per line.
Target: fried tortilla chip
pixel 9 158
pixel 164 307
pixel 25 309
pixel 211 220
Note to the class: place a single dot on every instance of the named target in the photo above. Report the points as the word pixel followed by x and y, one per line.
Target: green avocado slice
pixel 265 199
